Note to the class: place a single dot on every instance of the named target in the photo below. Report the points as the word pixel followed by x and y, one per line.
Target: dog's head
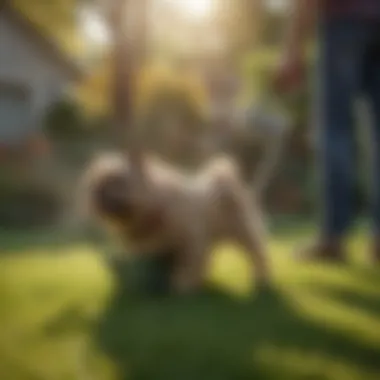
pixel 116 195
pixel 111 191
pixel 111 198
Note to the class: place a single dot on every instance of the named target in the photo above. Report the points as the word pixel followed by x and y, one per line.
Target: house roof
pixel 49 47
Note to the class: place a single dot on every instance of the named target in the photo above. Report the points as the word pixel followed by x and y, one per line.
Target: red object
pixel 38 145
pixel 290 75
pixel 34 147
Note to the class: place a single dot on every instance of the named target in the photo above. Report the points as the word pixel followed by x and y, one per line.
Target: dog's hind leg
pixel 246 227
pixel 189 271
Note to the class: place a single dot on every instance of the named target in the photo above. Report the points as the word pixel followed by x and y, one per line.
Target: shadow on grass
pixel 21 241
pixel 369 274
pixel 215 335
pixel 353 299
pixel 16 241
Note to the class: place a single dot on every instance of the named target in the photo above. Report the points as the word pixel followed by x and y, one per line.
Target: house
pixel 33 74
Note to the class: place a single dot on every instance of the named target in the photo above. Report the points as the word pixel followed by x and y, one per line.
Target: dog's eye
pixel 118 182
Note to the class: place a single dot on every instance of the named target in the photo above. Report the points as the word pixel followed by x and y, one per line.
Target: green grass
pixel 60 320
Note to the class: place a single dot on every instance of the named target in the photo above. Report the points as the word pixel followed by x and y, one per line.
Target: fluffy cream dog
pixel 156 208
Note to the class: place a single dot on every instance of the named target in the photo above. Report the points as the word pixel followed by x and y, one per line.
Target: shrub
pixel 64 120
pixel 258 69
pixel 25 204
pixel 162 91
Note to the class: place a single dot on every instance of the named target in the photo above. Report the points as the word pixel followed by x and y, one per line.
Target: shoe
pixel 376 251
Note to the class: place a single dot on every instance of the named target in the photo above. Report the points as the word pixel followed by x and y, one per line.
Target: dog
pixel 155 207
pixel 158 208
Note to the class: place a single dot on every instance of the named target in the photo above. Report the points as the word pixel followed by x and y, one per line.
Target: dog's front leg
pixel 188 274
pixel 248 230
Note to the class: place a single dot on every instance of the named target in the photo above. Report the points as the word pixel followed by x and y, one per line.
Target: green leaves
pixel 55 18
pixel 258 69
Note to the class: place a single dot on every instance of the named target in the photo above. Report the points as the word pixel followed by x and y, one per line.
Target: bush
pixel 258 69
pixel 64 120
pixel 24 204
pixel 171 112
pixel 162 91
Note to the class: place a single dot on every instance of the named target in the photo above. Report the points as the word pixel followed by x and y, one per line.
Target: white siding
pixel 23 62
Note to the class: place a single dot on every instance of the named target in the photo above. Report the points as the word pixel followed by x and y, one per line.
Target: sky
pixel 93 27
pixel 277 5
pixel 95 31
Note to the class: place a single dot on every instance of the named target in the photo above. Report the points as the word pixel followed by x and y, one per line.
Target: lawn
pixel 61 320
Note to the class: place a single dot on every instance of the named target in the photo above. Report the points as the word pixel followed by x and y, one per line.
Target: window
pixel 14 112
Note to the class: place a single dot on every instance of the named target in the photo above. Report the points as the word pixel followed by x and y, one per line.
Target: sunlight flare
pixel 194 9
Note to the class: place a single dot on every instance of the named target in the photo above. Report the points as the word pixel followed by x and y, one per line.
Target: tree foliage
pixel 93 93
pixel 162 88
pixel 55 18
pixel 159 88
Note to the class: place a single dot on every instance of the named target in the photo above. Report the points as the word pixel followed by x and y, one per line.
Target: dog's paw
pixel 183 285
pixel 264 291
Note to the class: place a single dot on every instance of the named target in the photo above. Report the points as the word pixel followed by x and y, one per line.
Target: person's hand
pixel 290 74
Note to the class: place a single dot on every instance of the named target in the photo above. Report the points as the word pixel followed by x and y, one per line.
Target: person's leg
pixel 339 80
pixel 372 87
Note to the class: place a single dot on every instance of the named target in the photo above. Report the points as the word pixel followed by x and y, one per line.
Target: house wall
pixel 24 63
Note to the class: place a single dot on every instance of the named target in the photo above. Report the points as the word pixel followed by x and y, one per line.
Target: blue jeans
pixel 349 67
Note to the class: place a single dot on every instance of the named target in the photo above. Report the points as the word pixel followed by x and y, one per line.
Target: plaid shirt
pixel 351 8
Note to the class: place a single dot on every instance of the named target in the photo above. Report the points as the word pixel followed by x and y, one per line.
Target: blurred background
pixel 203 59
pixel 202 56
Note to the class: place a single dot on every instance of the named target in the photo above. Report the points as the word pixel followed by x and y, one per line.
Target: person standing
pixel 348 40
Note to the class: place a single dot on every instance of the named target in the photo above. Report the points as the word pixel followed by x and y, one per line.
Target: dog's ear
pixel 112 197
